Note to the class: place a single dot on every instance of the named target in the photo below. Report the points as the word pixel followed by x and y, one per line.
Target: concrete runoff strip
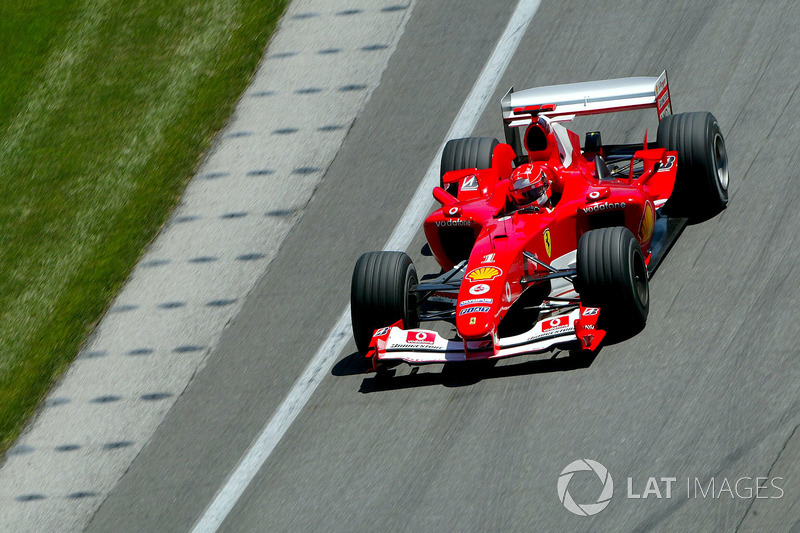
pixel 319 70
pixel 401 237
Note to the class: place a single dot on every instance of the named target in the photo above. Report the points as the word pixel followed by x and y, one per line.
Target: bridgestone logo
pixel 412 347
pixel 663 100
pixel 603 207
pixel 453 223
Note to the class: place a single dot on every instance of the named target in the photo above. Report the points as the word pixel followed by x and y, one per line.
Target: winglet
pixel 586 329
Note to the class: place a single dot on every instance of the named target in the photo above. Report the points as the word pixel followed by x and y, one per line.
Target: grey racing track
pixel 708 390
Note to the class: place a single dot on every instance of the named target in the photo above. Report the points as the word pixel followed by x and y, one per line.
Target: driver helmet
pixel 530 184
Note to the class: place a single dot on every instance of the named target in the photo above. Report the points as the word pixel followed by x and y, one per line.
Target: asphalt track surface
pixel 708 390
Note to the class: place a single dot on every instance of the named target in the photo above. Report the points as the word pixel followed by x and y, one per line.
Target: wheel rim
pixel 721 161
pixel 410 317
pixel 640 279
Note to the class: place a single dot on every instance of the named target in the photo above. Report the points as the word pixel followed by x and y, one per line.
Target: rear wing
pixel 564 102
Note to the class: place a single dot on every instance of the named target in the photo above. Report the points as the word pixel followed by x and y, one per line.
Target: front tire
pixel 612 275
pixel 701 184
pixel 469 152
pixel 380 294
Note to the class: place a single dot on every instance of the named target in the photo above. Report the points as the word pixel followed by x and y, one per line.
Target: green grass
pixel 106 108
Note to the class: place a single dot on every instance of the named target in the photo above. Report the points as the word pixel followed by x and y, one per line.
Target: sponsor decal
pixel 474 301
pixel 468 310
pixel 668 165
pixel 508 292
pixel 470 183
pixel 663 101
pixel 555 323
pixel 472 321
pixel 597 194
pixel 661 84
pixel 480 288
pixel 380 332
pixel 453 212
pixel 420 337
pixel 488 258
pixel 588 326
pixel 415 347
pixel 590 311
pixel 648 222
pixel 453 223
pixel 547 242
pixel 585 509
pixel 605 206
pixel 483 274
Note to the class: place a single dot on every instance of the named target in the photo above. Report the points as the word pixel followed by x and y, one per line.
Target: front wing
pixel 419 346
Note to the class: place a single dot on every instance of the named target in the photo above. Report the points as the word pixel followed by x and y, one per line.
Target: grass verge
pixel 106 108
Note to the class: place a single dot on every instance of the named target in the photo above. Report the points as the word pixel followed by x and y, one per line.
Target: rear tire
pixel 701 185
pixel 612 275
pixel 380 295
pixel 469 152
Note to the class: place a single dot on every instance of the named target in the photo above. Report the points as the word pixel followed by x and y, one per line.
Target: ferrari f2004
pixel 544 242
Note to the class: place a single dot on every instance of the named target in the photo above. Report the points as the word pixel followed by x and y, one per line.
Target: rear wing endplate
pixel 564 102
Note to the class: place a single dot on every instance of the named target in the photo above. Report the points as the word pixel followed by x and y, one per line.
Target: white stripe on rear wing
pixel 587 98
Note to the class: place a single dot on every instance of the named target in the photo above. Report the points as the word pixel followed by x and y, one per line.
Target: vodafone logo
pixel 585 509
pixel 420 337
pixel 480 288
pixel 603 207
pixel 554 323
pixel 453 223
pixel 594 195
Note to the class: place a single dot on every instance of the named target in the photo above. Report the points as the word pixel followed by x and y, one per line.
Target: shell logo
pixel 484 274
pixel 648 222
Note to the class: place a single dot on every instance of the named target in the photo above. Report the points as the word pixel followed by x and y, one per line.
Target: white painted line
pixel 400 239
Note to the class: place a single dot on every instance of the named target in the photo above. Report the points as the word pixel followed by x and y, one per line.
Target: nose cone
pixel 478 301
pixel 475 326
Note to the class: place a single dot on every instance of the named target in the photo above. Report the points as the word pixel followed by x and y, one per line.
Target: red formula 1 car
pixel 550 245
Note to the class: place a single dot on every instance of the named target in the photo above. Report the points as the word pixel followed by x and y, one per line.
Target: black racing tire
pixel 701 185
pixel 612 275
pixel 380 295
pixel 469 152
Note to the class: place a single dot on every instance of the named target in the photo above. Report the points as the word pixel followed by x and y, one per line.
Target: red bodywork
pixel 527 256
pixel 481 211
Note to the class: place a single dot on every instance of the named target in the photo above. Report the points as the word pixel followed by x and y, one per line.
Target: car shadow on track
pixel 457 374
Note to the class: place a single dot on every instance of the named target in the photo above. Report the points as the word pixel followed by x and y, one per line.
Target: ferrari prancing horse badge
pixel 547 241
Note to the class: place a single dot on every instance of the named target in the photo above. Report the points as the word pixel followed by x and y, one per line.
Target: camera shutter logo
pixel 585 509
